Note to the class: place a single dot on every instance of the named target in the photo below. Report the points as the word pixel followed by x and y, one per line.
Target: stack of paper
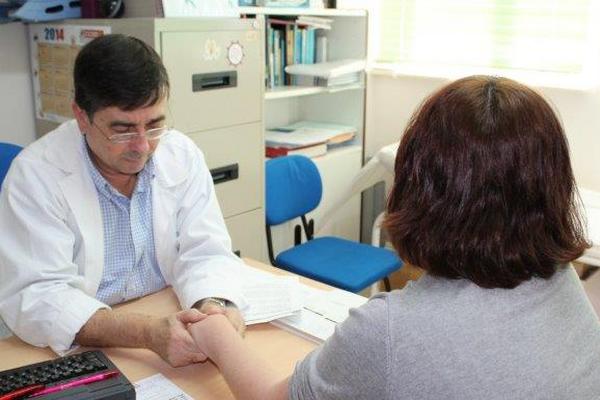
pixel 304 133
pixel 322 311
pixel 315 22
pixel 327 70
pixel 269 296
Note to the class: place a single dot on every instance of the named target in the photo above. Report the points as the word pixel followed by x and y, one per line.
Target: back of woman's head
pixel 484 188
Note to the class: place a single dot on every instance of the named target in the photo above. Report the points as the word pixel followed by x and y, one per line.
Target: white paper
pixel 158 387
pixel 308 325
pixel 327 70
pixel 305 133
pixel 269 296
pixel 271 299
pixel 322 311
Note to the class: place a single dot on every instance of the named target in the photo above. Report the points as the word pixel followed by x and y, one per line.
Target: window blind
pixel 527 35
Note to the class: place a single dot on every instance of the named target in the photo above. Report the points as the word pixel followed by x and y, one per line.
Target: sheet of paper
pixel 333 305
pixel 308 325
pixel 271 298
pixel 322 311
pixel 158 387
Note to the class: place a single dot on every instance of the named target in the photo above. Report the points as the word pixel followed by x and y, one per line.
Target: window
pixel 547 36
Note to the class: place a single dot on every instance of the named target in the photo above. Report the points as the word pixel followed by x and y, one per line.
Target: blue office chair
pixel 7 153
pixel 293 189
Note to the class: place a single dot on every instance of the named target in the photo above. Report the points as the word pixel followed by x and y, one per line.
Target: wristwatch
pixel 223 303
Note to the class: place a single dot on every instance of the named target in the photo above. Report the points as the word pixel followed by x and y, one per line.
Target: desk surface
pixel 201 381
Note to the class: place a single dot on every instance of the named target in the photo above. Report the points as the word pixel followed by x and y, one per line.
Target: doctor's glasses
pixel 150 134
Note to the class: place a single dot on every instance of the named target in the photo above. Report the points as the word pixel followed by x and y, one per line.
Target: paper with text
pixel 159 387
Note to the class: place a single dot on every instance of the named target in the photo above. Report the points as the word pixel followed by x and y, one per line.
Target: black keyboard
pixel 65 369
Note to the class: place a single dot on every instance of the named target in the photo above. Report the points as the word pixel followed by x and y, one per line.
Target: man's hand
pixel 170 339
pixel 232 313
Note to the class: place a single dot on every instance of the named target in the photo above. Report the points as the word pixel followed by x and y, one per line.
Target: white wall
pixel 16 98
pixel 392 100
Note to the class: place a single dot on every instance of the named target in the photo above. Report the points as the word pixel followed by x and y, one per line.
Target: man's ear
pixel 82 118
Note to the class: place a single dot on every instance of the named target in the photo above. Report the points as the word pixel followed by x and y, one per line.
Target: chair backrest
pixel 293 188
pixel 7 153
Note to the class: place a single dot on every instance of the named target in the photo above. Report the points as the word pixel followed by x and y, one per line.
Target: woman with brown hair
pixel 484 201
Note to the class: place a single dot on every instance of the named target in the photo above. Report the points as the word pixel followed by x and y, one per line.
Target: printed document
pixel 159 387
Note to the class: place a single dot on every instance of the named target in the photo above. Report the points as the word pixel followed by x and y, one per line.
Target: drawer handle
pixel 214 80
pixel 224 174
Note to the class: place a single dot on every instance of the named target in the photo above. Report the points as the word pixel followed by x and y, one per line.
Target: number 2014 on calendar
pixel 54 34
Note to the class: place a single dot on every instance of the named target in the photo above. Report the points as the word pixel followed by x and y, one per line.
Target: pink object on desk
pixel 77 382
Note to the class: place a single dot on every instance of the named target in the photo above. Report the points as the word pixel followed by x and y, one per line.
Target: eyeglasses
pixel 150 134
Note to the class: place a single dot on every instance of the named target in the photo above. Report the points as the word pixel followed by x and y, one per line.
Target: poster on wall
pixel 53 50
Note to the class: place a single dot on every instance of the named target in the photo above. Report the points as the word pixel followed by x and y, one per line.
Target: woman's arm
pixel 246 373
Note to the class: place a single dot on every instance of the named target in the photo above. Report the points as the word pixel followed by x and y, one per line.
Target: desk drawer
pixel 235 158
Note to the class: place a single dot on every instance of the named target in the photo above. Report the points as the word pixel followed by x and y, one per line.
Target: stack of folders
pixel 328 74
pixel 307 138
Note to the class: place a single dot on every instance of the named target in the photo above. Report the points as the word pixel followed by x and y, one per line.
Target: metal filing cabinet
pixel 216 73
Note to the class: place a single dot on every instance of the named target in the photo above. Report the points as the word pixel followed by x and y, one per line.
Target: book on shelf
pixel 291 41
pixel 313 150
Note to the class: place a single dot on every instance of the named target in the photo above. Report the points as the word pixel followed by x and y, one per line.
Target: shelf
pixel 326 12
pixel 283 92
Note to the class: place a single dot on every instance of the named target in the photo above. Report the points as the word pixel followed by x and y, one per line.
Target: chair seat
pixel 338 262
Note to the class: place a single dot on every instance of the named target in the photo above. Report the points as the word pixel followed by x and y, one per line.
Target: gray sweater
pixel 450 339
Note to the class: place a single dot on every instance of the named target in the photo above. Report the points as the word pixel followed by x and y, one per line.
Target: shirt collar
pixel 145 176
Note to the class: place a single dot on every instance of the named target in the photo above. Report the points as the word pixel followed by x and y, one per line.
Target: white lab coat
pixel 52 248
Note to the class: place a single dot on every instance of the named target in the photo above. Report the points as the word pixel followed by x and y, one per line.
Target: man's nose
pixel 140 144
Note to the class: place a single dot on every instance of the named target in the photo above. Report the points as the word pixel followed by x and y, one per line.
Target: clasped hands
pixel 171 337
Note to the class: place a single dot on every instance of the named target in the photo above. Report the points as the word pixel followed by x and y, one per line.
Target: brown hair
pixel 483 188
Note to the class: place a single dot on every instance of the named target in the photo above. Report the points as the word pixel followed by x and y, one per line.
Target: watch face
pixel 235 53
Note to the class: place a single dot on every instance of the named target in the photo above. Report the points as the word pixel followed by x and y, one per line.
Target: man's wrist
pixel 218 301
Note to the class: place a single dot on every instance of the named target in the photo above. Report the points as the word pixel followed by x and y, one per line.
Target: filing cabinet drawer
pixel 215 77
pixel 235 157
pixel 247 233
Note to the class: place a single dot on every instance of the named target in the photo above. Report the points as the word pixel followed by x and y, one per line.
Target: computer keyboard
pixel 69 369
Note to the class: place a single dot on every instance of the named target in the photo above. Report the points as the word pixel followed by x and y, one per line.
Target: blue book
pixel 311 42
pixel 297 45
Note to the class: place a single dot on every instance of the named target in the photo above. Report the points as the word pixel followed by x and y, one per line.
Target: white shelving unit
pixel 343 105
pixel 297 91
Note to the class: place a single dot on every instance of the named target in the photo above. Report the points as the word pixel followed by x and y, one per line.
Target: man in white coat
pixel 112 206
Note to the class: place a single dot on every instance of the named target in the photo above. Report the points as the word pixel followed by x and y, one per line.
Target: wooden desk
pixel 201 381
